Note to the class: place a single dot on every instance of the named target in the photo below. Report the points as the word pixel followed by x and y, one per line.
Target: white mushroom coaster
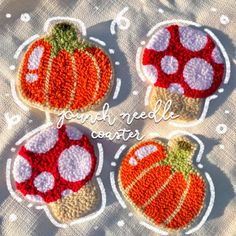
pixel 55 167
pixel 185 65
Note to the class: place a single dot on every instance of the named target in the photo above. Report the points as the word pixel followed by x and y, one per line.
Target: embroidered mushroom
pixel 185 65
pixel 55 168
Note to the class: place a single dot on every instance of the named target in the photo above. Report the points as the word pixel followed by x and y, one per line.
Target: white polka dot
pixel 34 198
pixel 224 20
pixel 150 72
pixel 25 17
pixel 73 133
pixel 44 182
pixel 145 151
pixel 169 64
pixel 74 163
pixel 13 217
pixel 198 74
pixel 66 192
pixel 192 39
pixel 160 40
pixel 130 214
pixel 111 51
pixel 132 161
pixel 121 223
pixel 222 146
pixel 31 78
pixel 43 141
pixel 176 88
pixel 35 58
pixel 113 163
pixel 221 129
pixel 200 166
pixel 12 67
pixel 22 170
pixel 8 15
pixel 217 56
pixel 213 9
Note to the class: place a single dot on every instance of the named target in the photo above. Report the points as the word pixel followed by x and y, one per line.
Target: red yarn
pixel 49 162
pixel 183 55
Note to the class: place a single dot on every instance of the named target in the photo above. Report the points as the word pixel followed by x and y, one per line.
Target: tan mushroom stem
pixel 77 204
pixel 187 108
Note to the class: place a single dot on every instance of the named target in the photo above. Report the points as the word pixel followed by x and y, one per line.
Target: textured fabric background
pixel 97 15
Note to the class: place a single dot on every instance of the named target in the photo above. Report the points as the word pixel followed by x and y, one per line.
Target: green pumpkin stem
pixel 179 156
pixel 65 36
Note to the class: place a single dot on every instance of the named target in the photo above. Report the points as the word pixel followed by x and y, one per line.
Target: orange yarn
pixel 35 91
pixel 127 171
pixel 105 70
pixel 161 183
pixel 71 75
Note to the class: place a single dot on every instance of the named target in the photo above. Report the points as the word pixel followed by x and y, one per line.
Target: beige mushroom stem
pixel 187 108
pixel 77 204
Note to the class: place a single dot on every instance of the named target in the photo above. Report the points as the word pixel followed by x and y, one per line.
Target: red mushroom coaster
pixel 55 167
pixel 63 72
pixel 185 65
pixel 161 183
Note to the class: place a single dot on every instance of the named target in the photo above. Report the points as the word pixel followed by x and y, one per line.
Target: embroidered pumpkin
pixel 185 65
pixel 55 168
pixel 161 182
pixel 61 71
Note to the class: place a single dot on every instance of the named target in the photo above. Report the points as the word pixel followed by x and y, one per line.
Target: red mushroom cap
pixel 54 163
pixel 183 60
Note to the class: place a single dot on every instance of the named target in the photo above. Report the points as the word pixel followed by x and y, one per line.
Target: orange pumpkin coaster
pixel 61 71
pixel 161 183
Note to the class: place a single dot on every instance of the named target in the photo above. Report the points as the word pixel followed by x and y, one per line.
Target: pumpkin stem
pixel 180 153
pixel 65 36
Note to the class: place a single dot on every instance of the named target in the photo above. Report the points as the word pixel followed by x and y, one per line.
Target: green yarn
pixel 64 36
pixel 179 157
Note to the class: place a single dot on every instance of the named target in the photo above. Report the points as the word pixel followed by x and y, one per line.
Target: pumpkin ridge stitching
pixel 157 192
pixel 47 81
pixel 26 92
pixel 140 176
pixel 180 204
pixel 174 220
pixel 73 62
pixel 89 105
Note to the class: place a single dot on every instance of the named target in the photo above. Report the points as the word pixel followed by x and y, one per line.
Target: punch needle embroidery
pixel 185 65
pixel 61 72
pixel 161 183
pixel 55 168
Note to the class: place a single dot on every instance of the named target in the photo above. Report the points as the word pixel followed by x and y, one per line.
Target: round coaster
pixel 161 183
pixel 55 167
pixel 61 72
pixel 183 61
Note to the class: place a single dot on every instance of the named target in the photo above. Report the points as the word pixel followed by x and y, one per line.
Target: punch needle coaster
pixel 54 168
pixel 63 72
pixel 185 65
pixel 161 183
